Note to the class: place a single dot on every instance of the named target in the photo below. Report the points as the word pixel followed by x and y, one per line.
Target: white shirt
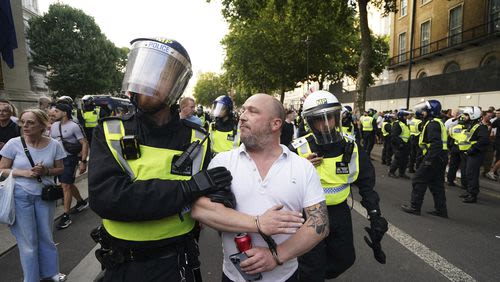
pixel 449 123
pixel 380 120
pixel 291 181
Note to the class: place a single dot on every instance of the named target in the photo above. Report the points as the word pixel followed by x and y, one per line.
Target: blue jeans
pixel 33 231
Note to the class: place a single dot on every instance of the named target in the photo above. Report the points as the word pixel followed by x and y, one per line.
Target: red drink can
pixel 243 242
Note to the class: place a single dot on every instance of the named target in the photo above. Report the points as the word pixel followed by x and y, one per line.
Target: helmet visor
pixel 158 70
pixel 325 124
pixel 422 106
pixel 219 110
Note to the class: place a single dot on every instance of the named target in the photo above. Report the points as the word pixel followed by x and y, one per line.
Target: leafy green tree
pixel 208 87
pixel 79 58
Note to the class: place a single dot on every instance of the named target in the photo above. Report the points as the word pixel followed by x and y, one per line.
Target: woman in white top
pixel 34 217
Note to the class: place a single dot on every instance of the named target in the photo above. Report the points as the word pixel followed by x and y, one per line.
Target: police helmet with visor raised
pixel 321 111
pixel 159 68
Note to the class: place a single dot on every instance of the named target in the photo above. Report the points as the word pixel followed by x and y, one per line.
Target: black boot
pixel 404 176
pixel 439 213
pixel 391 174
pixel 410 209
pixel 464 195
pixel 470 199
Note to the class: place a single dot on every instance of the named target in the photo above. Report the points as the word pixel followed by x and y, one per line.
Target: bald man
pixel 266 175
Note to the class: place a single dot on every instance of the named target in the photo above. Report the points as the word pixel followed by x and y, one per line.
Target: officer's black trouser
pixel 463 170
pixel 453 165
pixel 431 176
pixel 400 158
pixel 171 267
pixel 472 172
pixel 368 141
pixel 335 254
pixel 88 132
pixel 413 152
pixel 387 150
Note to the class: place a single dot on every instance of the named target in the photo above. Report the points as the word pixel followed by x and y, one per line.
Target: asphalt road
pixel 465 247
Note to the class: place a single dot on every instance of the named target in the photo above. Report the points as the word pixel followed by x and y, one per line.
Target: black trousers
pixel 88 132
pixel 400 161
pixel 387 150
pixel 368 141
pixel 431 177
pixel 335 254
pixel 414 148
pixel 453 165
pixel 472 172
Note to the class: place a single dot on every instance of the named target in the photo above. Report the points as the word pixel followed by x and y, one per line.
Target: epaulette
pixel 194 126
pixel 296 143
pixel 122 118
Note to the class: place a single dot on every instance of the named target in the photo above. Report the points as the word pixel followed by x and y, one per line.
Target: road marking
pixel 430 257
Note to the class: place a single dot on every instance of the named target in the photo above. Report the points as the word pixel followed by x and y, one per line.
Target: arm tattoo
pixel 317 218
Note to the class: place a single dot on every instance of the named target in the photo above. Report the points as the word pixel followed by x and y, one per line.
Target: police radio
pixel 189 154
pixel 348 149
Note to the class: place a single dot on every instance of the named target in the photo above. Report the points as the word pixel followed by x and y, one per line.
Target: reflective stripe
pixel 405 132
pixel 114 131
pixel 444 137
pixel 413 124
pixel 335 190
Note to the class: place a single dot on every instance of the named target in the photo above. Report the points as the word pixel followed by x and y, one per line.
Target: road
pixel 465 247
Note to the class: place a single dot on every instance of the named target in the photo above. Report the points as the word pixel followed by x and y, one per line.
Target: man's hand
pixel 314 159
pixel 278 221
pixel 83 167
pixel 376 231
pixel 259 260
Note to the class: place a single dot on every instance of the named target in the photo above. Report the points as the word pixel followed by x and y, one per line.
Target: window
pixel 422 2
pixel 421 74
pixel 425 38
pixel 490 61
pixel 404 7
pixel 455 26
pixel 402 47
pixel 495 15
pixel 399 78
pixel 451 67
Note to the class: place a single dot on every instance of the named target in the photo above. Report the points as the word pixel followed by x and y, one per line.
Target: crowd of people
pixel 277 177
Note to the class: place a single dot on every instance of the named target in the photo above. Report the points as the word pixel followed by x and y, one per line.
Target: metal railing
pixel 455 41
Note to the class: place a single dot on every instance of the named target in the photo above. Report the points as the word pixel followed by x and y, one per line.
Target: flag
pixel 8 41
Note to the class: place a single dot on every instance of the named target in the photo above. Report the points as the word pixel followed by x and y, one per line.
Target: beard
pixel 257 140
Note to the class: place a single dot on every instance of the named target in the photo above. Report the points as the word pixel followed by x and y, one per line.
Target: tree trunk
pixel 364 63
pixel 282 95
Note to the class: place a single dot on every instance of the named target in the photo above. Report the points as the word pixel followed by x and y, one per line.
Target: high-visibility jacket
pixel 367 123
pixel 336 177
pixel 91 118
pixel 459 135
pixel 413 124
pixel 154 163
pixel 470 133
pixel 405 132
pixel 223 141
pixel 348 131
pixel 444 137
pixel 384 132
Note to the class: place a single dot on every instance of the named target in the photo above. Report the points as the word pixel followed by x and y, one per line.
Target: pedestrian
pixel 34 217
pixel 495 125
pixel 414 124
pixel 400 136
pixel 8 128
pixel 44 103
pixel 72 138
pixel 386 134
pixel 380 120
pixel 368 129
pixel 433 141
pixel 187 110
pixel 266 174
pixel 478 140
pixel 287 131
pixel 340 164
pixel 224 133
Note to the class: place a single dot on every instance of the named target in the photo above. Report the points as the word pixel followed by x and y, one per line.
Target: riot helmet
pixel 88 103
pixel 222 107
pixel 431 107
pixel 159 68
pixel 199 110
pixel 321 112
pixel 473 112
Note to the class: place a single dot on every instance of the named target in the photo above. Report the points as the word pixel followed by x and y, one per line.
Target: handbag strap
pixel 28 155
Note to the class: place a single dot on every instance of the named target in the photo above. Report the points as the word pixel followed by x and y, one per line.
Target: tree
pixel 79 58
pixel 208 87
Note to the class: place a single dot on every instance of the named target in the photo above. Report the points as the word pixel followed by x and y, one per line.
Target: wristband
pixel 84 161
pixel 270 242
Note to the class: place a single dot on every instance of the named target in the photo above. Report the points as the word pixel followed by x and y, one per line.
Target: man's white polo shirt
pixel 291 181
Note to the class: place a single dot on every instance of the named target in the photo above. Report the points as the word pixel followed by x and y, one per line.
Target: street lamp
pixel 307 41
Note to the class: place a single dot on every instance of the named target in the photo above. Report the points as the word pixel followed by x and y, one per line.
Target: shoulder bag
pixel 49 192
pixel 72 148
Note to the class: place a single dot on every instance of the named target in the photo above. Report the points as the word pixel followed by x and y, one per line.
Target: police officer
pixel 477 137
pixel 400 136
pixel 224 132
pixel 368 130
pixel 339 163
pixel 457 145
pixel 414 125
pixel 205 119
pixel 349 128
pixel 386 135
pixel 137 186
pixel 433 142
pixel 90 116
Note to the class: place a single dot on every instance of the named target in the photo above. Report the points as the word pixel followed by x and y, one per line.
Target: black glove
pixel 225 197
pixel 376 231
pixel 206 182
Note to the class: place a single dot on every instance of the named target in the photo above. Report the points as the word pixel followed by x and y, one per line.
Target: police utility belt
pixel 111 255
